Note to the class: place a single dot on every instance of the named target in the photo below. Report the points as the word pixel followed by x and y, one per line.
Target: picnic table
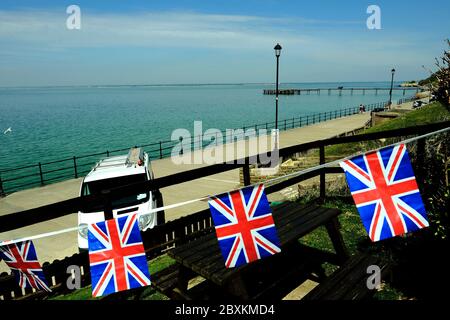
pixel 270 276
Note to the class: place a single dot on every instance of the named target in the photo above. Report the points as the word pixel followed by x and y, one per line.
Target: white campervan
pixel 113 172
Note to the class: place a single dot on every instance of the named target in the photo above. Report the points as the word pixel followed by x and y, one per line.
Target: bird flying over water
pixel 9 130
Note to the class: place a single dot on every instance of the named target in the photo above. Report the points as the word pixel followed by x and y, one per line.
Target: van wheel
pixel 160 215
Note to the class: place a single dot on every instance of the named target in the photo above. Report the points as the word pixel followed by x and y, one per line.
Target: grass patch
pixel 160 263
pixel 352 229
pixel 81 294
pixel 432 113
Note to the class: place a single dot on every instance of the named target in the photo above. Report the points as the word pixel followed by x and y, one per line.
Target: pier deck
pixel 299 91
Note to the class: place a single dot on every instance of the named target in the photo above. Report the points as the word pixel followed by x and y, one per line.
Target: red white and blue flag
pixel 385 192
pixel 117 256
pixel 22 259
pixel 244 226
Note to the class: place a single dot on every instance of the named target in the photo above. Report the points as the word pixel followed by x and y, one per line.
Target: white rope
pixel 180 204
pixel 54 233
pixel 38 236
pixel 336 162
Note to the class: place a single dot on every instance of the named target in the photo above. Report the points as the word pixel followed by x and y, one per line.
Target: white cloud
pixel 143 29
pixel 46 30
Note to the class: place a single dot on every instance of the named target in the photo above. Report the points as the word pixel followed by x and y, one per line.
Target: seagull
pixel 9 130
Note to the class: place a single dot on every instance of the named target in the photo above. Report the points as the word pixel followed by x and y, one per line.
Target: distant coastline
pixel 99 86
pixel 409 84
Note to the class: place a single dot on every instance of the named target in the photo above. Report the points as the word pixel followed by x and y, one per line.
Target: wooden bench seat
pixel 349 282
pixel 261 279
pixel 307 260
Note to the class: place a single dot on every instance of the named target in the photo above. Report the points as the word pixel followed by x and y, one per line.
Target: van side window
pixel 86 190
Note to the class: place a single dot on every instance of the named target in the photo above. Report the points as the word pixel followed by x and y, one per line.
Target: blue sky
pixel 209 41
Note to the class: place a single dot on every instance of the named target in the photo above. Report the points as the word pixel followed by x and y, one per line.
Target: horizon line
pixel 182 84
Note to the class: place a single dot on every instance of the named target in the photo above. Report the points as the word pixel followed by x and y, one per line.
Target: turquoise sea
pixel 51 123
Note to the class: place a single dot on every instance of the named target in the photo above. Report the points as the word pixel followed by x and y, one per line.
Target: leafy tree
pixel 443 78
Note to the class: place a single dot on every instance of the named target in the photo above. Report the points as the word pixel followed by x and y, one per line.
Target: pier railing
pixel 43 173
pixel 404 100
pixel 299 91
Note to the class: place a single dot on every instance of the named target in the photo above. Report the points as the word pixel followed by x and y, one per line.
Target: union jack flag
pixel 244 226
pixel 22 259
pixel 117 256
pixel 385 192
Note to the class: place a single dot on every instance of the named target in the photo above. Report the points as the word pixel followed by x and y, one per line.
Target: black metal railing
pixel 42 173
pixel 404 100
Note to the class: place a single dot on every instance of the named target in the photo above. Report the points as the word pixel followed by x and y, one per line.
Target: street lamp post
pixel 392 86
pixel 277 54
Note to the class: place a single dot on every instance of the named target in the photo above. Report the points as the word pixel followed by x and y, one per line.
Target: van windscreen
pixel 96 187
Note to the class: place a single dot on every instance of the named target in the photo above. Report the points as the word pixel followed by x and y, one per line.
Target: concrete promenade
pixel 58 247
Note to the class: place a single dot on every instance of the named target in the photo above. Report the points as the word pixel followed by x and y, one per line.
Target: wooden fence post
pixel 246 173
pixel 322 174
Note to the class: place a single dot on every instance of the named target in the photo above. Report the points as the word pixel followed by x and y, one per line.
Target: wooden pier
pixel 299 91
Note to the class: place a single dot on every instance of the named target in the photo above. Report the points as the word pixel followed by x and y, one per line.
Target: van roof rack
pixel 110 162
pixel 135 157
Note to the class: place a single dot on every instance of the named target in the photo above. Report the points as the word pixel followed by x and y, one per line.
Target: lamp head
pixel 277 50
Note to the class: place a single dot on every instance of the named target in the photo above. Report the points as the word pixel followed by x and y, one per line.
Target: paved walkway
pixel 60 246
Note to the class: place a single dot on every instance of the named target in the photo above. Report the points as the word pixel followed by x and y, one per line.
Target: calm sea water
pixel 58 122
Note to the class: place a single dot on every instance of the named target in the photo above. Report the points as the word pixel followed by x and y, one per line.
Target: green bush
pixel 434 184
